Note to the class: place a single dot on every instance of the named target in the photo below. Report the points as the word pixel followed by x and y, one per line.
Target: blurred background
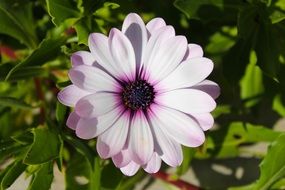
pixel 244 38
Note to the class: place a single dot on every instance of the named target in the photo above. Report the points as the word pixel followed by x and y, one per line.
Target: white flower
pixel 142 92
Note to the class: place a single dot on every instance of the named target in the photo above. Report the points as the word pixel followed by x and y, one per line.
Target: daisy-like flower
pixel 142 92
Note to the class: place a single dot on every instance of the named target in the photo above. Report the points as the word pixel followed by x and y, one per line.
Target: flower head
pixel 142 92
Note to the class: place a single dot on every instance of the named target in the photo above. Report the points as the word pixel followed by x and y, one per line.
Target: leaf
pixel 60 112
pixel 267 50
pixel 107 171
pixel 14 102
pixel 17 21
pixel 278 106
pixel 272 167
pixel 207 9
pixel 84 27
pixel 43 177
pixel 188 154
pixel 44 139
pixel 236 60
pixel 78 175
pixel 47 50
pixel 14 172
pixel 60 10
pixel 251 85
pixel 27 72
pixel 225 143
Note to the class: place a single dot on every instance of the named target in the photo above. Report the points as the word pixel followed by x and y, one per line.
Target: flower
pixel 142 92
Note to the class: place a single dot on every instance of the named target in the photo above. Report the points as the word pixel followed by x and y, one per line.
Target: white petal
pixel 96 104
pixel 123 53
pixel 193 51
pixel 187 100
pixel 153 164
pixel 98 44
pixel 92 79
pixel 72 120
pixel 130 169
pixel 166 57
pixel 209 87
pixel 82 58
pixel 178 125
pixel 205 120
pixel 70 95
pixel 155 24
pixel 134 28
pixel 187 74
pixel 112 141
pixel 88 128
pixel 160 36
pixel 121 159
pixel 168 149
pixel 140 140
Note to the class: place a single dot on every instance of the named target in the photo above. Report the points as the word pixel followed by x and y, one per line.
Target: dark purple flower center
pixel 138 94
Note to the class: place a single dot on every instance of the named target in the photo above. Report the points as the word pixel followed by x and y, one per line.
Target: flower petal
pixel 193 51
pixel 70 95
pixel 88 128
pixel 92 79
pixel 82 58
pixel 97 104
pixel 187 74
pixel 187 100
pixel 134 28
pixel 158 37
pixel 209 87
pixel 168 149
pixel 153 164
pixel 140 139
pixel 72 120
pixel 154 24
pixel 205 120
pixel 182 128
pixel 121 159
pixel 123 53
pixel 130 169
pixel 98 44
pixel 112 141
pixel 165 57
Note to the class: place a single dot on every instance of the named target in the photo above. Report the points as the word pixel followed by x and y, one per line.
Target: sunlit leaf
pixel 60 10
pixel 43 177
pixel 46 140
pixel 47 50
pixel 14 172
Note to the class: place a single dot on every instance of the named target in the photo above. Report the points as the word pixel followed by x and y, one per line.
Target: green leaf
pixel 278 106
pixel 43 177
pixel 84 27
pixel 272 168
pixel 251 84
pixel 60 10
pixel 60 112
pixel 188 154
pixel 24 73
pixel 225 143
pixel 267 50
pixel 14 172
pixel 111 170
pixel 46 146
pixel 206 9
pixel 14 102
pixel 17 21
pixel 47 50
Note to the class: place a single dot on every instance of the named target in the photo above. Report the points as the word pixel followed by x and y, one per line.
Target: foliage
pixel 245 38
